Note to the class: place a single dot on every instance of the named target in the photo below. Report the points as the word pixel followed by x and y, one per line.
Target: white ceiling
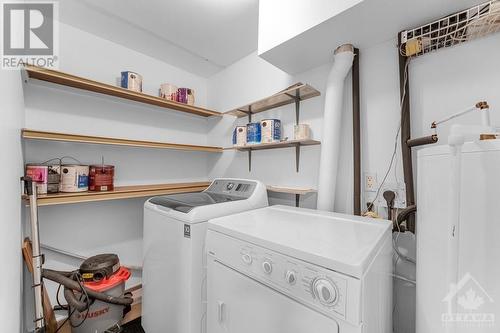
pixel 201 36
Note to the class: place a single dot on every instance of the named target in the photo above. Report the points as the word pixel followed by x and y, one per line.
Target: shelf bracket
pixel 297 100
pixel 249 113
pixel 250 160
pixel 297 200
pixel 297 156
pixel 297 107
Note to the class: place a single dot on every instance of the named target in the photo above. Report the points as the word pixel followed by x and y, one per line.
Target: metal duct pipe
pixel 332 118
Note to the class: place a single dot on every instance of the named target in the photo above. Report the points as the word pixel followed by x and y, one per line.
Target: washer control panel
pixel 327 291
pixel 232 187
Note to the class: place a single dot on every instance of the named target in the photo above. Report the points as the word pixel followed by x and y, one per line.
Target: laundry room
pixel 250 166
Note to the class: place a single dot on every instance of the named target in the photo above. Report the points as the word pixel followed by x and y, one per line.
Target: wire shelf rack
pixel 469 24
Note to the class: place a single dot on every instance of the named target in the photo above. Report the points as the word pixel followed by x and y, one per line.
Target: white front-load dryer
pixel 174 261
pixel 293 270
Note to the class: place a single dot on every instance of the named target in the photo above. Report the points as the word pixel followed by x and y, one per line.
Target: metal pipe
pixel 37 259
pixel 404 90
pixel 425 140
pixel 356 135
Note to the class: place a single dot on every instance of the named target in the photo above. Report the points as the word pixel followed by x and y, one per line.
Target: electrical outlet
pixel 399 189
pixel 370 182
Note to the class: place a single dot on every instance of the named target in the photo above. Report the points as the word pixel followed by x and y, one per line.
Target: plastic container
pixel 131 81
pixel 240 136
pixel 270 130
pixel 253 133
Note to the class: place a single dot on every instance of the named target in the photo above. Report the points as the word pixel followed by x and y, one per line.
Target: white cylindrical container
pixel 240 136
pixel 131 81
pixel 332 118
pixel 270 130
pixel 168 91
pixel 457 238
pixel 74 178
pixel 301 132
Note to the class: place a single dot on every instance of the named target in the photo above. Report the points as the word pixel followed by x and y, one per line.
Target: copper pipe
pixel 425 140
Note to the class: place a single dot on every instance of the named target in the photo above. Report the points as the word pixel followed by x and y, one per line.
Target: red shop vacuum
pixel 95 293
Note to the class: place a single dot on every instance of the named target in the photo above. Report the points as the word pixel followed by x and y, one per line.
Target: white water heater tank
pixel 465 189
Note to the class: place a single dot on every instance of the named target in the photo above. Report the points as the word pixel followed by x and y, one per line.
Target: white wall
pixel 12 112
pixel 88 228
pixel 440 84
pixel 251 79
pixel 279 23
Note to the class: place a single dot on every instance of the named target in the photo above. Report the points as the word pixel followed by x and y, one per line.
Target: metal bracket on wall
pixel 297 99
pixel 249 113
pixel 297 156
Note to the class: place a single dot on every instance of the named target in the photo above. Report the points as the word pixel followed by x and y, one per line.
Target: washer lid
pixel 185 202
pixel 343 243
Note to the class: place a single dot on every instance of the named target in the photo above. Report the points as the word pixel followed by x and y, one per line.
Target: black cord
pixel 83 293
pixel 65 320
pixel 87 300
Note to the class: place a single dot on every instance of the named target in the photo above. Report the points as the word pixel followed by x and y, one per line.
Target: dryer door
pixel 237 303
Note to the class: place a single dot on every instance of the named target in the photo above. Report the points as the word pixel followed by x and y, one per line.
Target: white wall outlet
pixel 370 182
pixel 399 189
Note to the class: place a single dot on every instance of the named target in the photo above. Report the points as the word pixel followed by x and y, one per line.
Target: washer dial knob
pixel 267 267
pixel 291 277
pixel 325 291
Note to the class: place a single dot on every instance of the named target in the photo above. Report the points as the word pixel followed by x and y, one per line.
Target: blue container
pixel 131 81
pixel 253 133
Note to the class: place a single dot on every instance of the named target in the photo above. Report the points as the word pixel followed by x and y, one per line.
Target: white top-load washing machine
pixel 174 267
pixel 295 270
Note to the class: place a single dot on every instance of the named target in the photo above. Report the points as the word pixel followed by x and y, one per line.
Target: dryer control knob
pixel 267 267
pixel 247 259
pixel 291 277
pixel 325 291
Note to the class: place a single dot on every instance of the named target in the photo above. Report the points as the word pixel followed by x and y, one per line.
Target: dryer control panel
pixel 332 293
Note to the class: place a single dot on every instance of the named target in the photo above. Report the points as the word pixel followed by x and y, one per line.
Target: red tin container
pixel 101 178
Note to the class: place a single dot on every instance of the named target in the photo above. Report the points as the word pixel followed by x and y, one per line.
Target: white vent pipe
pixel 332 118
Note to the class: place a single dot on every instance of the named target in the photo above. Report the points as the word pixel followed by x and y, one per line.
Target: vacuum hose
pixel 73 302
pixel 71 285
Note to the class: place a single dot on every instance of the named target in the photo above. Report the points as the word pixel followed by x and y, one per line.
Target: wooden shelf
pixel 110 90
pixel 120 192
pixel 290 190
pixel 65 137
pixel 296 92
pixel 275 145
